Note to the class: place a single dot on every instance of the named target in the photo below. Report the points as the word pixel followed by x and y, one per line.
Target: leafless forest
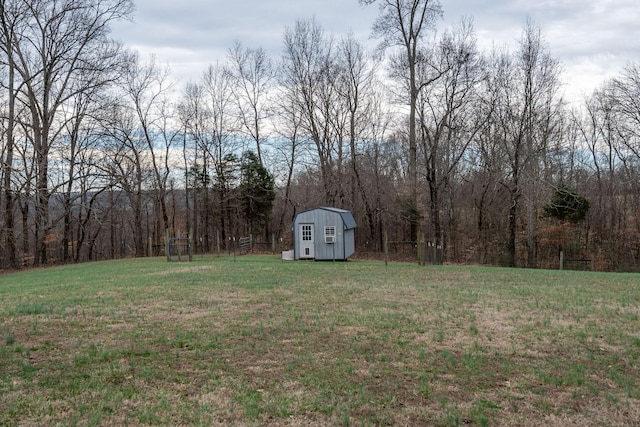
pixel 102 154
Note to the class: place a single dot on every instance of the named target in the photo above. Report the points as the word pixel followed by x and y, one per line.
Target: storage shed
pixel 324 234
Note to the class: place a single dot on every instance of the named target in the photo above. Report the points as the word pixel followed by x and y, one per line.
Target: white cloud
pixel 592 39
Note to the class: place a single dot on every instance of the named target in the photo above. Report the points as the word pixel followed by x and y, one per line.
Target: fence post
pixel 419 247
pixel 166 245
pixel 385 243
pixel 561 260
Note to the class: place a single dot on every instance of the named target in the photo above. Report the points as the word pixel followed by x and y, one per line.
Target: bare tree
pixel 127 162
pixel 608 132
pixel 626 106
pixel 626 103
pixel 13 16
pixel 76 163
pixel 527 113
pixel 378 166
pixel 306 73
pixel 209 114
pixel 288 129
pixel 56 42
pixel 253 73
pixel 404 24
pixel 191 121
pixel 147 87
pixel 448 114
pixel 77 149
pixel 24 182
pixel 220 142
pixel 598 132
pixel 355 83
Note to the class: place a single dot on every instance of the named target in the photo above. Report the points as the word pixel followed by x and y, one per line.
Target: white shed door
pixel 306 241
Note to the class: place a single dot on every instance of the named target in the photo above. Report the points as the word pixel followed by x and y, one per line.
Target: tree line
pixel 103 155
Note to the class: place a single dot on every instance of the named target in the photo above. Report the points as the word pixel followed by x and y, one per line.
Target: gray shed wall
pixel 344 245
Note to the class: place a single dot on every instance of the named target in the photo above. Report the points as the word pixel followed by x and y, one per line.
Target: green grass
pixel 264 342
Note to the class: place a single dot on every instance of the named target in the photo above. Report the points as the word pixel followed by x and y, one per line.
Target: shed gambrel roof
pixel 347 217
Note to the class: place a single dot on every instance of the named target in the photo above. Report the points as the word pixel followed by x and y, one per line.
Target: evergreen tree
pixel 256 191
pixel 567 205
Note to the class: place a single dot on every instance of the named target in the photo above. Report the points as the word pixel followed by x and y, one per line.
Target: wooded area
pixel 102 153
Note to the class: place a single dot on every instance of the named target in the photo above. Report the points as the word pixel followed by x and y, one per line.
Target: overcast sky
pixel 592 39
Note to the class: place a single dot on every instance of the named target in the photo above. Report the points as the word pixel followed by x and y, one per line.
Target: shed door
pixel 307 245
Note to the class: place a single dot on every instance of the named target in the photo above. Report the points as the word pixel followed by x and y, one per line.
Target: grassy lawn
pixel 264 342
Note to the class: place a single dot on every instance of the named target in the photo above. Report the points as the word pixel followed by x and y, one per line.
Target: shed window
pixel 306 233
pixel 330 234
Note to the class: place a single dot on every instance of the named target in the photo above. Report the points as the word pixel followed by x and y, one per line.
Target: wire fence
pixel 179 249
pixel 424 252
